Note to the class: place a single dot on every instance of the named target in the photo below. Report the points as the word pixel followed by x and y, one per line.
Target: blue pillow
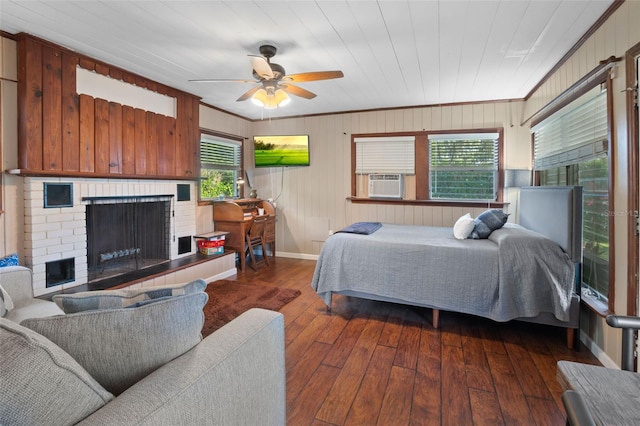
pixel 487 222
pixel 11 260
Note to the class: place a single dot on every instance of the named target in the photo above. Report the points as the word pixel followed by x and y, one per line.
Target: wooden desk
pixel 236 216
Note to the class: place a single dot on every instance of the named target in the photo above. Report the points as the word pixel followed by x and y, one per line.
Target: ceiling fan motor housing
pixel 268 51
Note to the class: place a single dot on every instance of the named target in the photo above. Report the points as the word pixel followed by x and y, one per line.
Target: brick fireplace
pixel 57 245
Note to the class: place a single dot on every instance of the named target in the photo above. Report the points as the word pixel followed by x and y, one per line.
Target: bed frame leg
pixel 571 336
pixel 436 318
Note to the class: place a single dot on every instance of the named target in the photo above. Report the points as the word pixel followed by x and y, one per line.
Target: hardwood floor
pixel 375 363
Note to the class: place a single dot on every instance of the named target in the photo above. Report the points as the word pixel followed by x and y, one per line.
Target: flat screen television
pixel 281 151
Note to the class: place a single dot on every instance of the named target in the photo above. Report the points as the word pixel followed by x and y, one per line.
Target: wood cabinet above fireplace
pixel 62 133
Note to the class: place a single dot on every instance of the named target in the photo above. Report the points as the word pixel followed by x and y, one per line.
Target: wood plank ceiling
pixel 392 53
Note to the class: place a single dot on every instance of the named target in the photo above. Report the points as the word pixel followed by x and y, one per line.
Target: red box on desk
pixel 210 247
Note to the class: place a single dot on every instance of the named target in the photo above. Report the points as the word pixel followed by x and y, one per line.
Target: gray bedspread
pixel 515 273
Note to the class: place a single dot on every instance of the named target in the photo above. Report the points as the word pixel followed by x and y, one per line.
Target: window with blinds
pixel 463 166
pixel 220 166
pixel 387 154
pixel 577 133
pixel 571 148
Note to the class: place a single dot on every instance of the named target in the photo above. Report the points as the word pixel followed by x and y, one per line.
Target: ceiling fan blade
pixel 314 76
pixel 248 94
pixel 222 80
pixel 261 67
pixel 297 91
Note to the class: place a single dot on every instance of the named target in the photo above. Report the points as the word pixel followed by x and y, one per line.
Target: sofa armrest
pixel 577 412
pixel 235 376
pixel 629 325
pixel 17 281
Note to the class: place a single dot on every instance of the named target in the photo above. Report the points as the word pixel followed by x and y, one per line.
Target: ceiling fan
pixel 275 84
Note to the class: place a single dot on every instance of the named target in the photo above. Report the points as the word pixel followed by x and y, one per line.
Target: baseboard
pixel 297 255
pixel 226 274
pixel 597 351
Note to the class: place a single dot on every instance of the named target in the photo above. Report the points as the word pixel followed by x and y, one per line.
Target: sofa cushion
pixel 110 299
pixel 120 346
pixel 40 383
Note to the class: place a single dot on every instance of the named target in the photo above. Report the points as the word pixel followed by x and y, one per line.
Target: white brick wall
pixel 60 233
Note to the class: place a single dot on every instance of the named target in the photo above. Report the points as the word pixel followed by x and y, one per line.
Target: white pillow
pixel 463 227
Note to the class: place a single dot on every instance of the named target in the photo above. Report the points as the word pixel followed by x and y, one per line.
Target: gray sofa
pixel 235 376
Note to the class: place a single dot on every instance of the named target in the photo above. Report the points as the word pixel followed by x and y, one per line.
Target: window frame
pixel 601 75
pixel 422 171
pixel 238 192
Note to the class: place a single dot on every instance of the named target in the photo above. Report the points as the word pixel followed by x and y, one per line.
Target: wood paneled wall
pixel 65 134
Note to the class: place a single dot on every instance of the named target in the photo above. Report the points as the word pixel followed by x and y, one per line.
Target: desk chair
pixel 600 395
pixel 256 238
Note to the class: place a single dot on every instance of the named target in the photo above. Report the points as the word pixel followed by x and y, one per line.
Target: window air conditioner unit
pixel 385 186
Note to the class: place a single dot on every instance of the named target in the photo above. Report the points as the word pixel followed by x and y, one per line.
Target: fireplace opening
pixel 60 271
pixel 126 234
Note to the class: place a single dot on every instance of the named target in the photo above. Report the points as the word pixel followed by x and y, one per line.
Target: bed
pixel 528 272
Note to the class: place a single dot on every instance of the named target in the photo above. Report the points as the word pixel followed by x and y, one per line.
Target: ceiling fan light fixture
pixel 260 98
pixel 281 98
pixel 270 98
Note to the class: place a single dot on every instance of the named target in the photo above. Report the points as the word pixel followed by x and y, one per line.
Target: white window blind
pixel 573 134
pixel 385 155
pixel 463 166
pixel 220 154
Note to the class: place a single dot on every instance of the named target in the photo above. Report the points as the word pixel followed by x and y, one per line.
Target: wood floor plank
pixel 392 330
pixel 545 412
pixel 338 402
pixel 368 400
pixel 407 353
pixel 345 342
pixel 427 406
pixel 450 329
pixel 485 407
pixel 294 328
pixel 298 346
pixel 547 366
pixel 491 339
pixel 531 381
pixel 335 327
pixel 396 404
pixel 298 377
pixel 515 410
pixel 476 365
pixel 456 407
pixel 303 410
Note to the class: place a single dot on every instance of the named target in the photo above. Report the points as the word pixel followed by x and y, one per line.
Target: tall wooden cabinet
pixel 236 217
